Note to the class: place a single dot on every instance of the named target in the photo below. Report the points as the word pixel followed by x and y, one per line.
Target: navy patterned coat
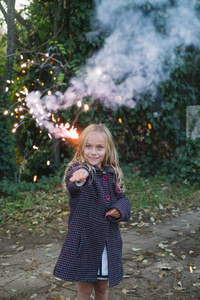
pixel 89 231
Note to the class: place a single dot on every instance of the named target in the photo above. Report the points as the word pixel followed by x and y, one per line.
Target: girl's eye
pixel 88 146
pixel 100 147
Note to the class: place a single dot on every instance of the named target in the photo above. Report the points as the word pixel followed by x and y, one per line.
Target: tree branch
pixel 3 11
pixel 21 20
pixel 34 50
pixel 18 17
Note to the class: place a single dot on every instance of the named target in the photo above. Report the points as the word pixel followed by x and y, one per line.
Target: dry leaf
pixel 162 274
pixel 5 264
pixel 140 258
pixel 166 268
pixel 33 296
pixel 124 291
pixel 136 249
pixel 179 288
pixel 197 284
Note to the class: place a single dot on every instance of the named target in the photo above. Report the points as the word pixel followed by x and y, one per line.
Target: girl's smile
pixel 94 151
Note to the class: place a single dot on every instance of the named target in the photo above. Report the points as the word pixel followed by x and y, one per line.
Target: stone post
pixel 193 122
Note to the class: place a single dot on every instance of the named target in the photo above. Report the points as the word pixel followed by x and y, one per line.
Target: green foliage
pixel 184 165
pixel 36 161
pixel 45 183
pixel 150 138
pixel 7 165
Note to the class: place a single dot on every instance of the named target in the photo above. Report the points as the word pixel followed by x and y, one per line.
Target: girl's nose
pixel 93 151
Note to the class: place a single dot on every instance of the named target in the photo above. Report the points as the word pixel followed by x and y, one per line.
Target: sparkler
pixel 38 108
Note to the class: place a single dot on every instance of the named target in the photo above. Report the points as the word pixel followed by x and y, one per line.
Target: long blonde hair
pixel 111 155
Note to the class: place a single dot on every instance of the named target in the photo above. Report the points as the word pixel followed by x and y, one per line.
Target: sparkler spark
pixel 86 107
pixel 35 147
pixel 41 111
pixel 79 103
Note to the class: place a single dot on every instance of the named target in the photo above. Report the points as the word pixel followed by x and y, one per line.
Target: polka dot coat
pixel 89 231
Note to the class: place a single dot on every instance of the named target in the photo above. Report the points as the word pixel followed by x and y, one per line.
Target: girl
pixel 92 251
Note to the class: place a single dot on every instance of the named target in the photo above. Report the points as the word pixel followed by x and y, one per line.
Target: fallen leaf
pixel 49 245
pixel 33 296
pixel 161 246
pixel 172 254
pixel 177 275
pixel 135 287
pixel 134 224
pixel 21 248
pixel 166 268
pixel 64 213
pixel 179 288
pixel 136 249
pixel 53 286
pixel 152 219
pixel 140 258
pixel 169 294
pixel 197 284
pixel 146 262
pixel 162 274
pixel 161 254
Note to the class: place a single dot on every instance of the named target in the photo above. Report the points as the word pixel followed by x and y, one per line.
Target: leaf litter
pixel 151 272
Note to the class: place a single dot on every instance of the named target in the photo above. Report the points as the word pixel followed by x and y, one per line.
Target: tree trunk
pixel 56 150
pixel 10 20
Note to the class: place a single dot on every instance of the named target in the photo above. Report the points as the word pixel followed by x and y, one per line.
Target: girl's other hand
pixel 79 175
pixel 113 213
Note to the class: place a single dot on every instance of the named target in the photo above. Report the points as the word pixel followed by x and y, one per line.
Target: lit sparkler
pixel 39 110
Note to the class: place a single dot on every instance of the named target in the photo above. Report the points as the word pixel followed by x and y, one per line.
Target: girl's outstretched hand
pixel 79 175
pixel 113 213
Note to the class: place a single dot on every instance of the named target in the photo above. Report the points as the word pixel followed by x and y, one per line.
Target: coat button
pixel 107 197
pixel 105 177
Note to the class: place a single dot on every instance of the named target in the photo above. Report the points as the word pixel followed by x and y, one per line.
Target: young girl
pixel 92 251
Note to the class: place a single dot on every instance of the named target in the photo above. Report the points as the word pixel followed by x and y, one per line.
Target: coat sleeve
pixel 123 206
pixel 72 187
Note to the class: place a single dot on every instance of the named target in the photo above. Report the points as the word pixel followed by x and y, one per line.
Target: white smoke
pixel 133 57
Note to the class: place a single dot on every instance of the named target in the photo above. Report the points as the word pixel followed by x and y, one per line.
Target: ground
pixel 161 257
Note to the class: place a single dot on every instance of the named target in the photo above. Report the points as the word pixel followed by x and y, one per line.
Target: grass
pixel 152 192
pixel 40 210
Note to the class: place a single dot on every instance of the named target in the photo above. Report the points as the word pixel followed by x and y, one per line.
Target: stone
pixel 193 122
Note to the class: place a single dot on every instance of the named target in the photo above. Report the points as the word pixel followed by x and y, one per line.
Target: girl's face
pixel 94 151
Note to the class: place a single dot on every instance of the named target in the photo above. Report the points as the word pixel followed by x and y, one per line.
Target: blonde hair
pixel 111 155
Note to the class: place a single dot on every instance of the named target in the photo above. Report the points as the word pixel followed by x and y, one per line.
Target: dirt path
pixel 161 261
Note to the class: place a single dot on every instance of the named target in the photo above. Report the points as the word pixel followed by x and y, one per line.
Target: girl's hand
pixel 79 175
pixel 113 213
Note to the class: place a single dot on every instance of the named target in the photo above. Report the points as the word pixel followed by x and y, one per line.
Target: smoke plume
pixel 140 45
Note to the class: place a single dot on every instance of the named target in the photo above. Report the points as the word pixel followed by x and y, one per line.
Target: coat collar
pixel 109 169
